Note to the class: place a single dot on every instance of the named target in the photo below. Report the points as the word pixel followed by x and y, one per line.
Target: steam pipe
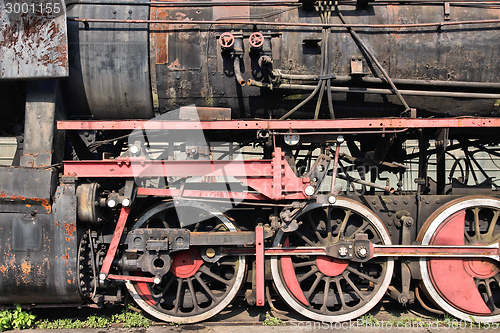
pixel 237 71
pixel 375 80
pixel 451 94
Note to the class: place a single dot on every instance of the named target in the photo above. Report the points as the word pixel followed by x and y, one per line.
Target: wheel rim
pixel 468 289
pixel 193 290
pixel 327 289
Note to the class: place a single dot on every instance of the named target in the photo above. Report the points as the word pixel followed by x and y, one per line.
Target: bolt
pixel 362 252
pixel 210 252
pixel 408 221
pixel 343 251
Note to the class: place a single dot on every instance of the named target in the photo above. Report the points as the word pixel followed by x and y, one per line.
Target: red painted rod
pixel 491 251
pixel 130 278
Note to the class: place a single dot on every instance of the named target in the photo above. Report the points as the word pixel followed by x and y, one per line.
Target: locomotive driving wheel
pixel 467 288
pixel 193 289
pixel 327 289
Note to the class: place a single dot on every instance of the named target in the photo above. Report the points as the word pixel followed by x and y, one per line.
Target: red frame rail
pixel 273 179
pixel 322 124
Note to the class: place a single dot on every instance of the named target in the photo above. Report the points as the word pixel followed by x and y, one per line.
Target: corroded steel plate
pixel 33 39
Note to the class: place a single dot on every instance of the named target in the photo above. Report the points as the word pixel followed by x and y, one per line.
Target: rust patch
pixel 34 42
pixel 68 281
pixel 44 202
pixel 160 34
pixel 70 228
pixel 9 264
pixel 26 268
pixel 174 65
pixel 68 239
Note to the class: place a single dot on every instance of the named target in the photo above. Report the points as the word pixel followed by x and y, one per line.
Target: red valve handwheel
pixel 226 40
pixel 256 39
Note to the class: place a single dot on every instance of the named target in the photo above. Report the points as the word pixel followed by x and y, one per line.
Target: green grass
pixel 127 318
pixel 15 319
pixel 272 321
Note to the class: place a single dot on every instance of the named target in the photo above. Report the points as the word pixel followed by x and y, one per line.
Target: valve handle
pixel 226 40
pixel 256 40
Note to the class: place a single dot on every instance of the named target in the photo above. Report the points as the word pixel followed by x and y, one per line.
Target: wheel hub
pixel 186 263
pixel 331 266
pixel 480 268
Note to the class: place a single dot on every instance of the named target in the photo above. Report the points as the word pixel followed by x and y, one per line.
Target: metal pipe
pixel 450 94
pixel 376 80
pixel 366 183
pixel 190 3
pixel 294 25
pixel 263 3
pixel 237 71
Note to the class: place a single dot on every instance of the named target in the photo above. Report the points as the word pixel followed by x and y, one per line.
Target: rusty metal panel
pixel 109 65
pixel 33 39
pixel 27 185
pixel 38 256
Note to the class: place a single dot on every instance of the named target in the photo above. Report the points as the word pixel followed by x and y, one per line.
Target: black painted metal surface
pixel 39 238
pixel 109 64
pixel 122 70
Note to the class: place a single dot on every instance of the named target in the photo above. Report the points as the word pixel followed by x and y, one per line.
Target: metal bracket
pixel 447 11
pixel 113 247
pixel 259 265
pixel 357 66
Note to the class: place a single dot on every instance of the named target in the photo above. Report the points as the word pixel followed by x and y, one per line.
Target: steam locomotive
pixel 190 152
